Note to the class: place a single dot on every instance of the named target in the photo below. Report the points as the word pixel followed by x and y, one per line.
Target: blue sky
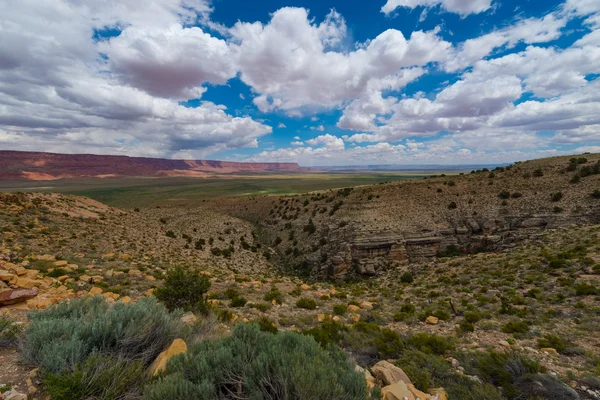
pixel 313 82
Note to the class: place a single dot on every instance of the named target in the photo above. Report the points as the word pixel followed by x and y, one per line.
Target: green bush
pixel 274 294
pixel 473 316
pixel 516 327
pixel 238 301
pixel 252 364
pixel 98 378
pixel 431 344
pixel 407 277
pixel 306 303
pixel 340 309
pixel 466 326
pixel 184 288
pixel 9 333
pixel 556 196
pixel 62 336
pixel 553 341
pixel 430 371
pixel 266 325
pixel 586 289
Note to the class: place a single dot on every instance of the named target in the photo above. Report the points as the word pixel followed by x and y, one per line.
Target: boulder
pixel 39 303
pixel 355 317
pixel 304 286
pixel 397 391
pixel 27 283
pixel 95 290
pixel 549 350
pixel 61 263
pixel 177 347
pixel 353 308
pixel 366 305
pixel 431 320
pixel 15 296
pixel 388 374
pixel 14 395
pixel 439 392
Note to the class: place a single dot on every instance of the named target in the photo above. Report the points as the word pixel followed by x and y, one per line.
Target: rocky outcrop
pixel 367 252
pixel 178 346
pixel 15 296
pixel 48 166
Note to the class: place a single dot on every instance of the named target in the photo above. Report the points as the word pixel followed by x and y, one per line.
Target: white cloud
pixel 57 94
pixel 289 62
pixel 462 7
pixel 281 125
pixel 320 128
pixel 328 141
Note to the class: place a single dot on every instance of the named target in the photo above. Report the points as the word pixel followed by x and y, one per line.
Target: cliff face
pixel 16 165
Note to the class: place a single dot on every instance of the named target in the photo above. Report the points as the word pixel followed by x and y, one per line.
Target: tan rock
pixel 96 290
pixel 32 273
pixel 353 308
pixel 549 350
pixel 7 277
pixel 125 299
pixel 20 271
pixel 27 283
pixel 336 318
pixel 124 256
pixel 15 296
pixel 321 317
pixel 108 255
pixel 177 347
pixel 304 286
pixel 417 393
pixel 431 320
pixel 136 273
pixel 85 278
pixel 39 303
pixel 388 374
pixel 189 318
pixel 355 317
pixel 149 292
pixel 397 391
pixel 439 392
pixel 366 305
pixel 61 263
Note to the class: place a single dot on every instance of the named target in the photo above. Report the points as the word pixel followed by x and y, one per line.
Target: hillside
pixel 363 229
pixel 20 165
pixel 505 282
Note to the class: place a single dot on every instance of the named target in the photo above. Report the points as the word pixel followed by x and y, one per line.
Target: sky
pixel 318 82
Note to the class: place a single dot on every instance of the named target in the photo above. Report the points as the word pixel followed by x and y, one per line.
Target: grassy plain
pixel 141 192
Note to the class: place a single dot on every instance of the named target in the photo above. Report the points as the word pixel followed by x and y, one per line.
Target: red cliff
pixel 22 165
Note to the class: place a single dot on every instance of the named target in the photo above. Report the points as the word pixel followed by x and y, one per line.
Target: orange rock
pixel 160 363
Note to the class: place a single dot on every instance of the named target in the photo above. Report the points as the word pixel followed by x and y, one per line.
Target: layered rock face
pixel 22 165
pixel 368 252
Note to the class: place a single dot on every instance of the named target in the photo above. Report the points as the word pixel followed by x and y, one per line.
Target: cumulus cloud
pixel 289 62
pixel 462 7
pixel 58 94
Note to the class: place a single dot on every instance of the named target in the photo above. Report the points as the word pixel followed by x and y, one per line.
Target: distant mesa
pixel 24 165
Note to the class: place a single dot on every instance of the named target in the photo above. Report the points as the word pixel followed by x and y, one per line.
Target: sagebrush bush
pixel 66 334
pixel 98 377
pixel 252 364
pixel 306 303
pixel 9 332
pixel 185 289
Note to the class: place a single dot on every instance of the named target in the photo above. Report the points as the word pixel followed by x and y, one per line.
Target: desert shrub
pixel 586 289
pixel 430 371
pixel 553 341
pixel 238 301
pixel 500 369
pixel 66 334
pixel 407 277
pixel 266 325
pixel 99 378
pixel 452 205
pixel 258 365
pixel 556 196
pixel 184 288
pixel 9 332
pixel 408 308
pixel 170 234
pixel 596 194
pixel 339 309
pixel 465 326
pixel 515 327
pixel 328 332
pixel 516 195
pixel 505 194
pixel 473 316
pixel 538 173
pixel 306 303
pixel 431 344
pixel 274 294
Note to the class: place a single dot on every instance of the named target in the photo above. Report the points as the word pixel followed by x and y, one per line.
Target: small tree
pixel 184 288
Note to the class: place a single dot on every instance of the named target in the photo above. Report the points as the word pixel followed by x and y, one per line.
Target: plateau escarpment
pixel 20 165
pixel 367 229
